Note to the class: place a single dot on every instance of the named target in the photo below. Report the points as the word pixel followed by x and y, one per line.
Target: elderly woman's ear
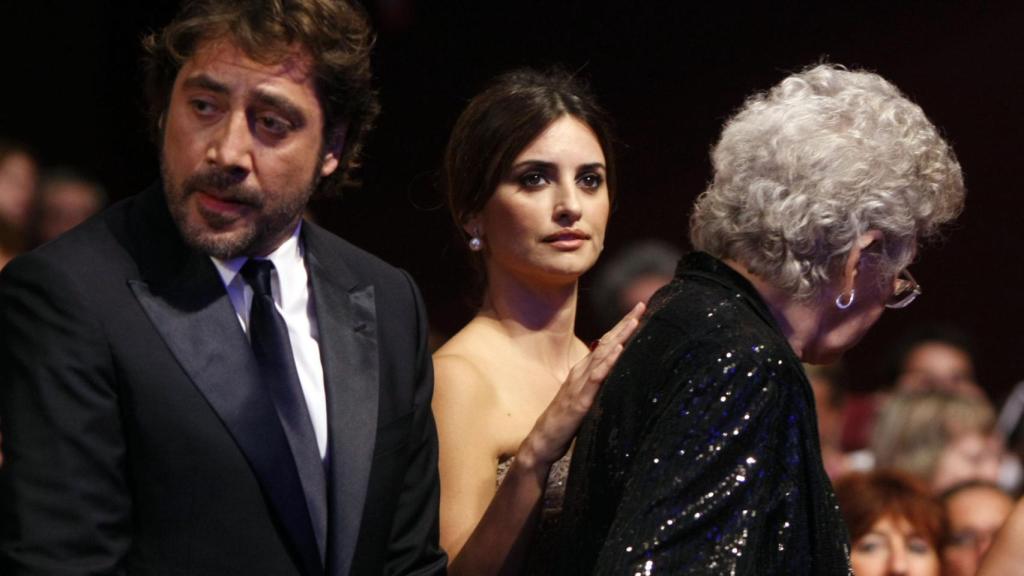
pixel 867 242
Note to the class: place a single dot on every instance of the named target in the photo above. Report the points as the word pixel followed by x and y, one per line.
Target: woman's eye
pixel 868 545
pixel 532 180
pixel 919 546
pixel 590 181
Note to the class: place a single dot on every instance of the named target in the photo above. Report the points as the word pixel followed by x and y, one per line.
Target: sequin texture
pixel 723 474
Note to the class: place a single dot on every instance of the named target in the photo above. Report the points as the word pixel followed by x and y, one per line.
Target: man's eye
pixel 590 181
pixel 532 180
pixel 203 107
pixel 273 125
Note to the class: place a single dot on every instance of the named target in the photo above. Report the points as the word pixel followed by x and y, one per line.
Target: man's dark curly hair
pixel 335 34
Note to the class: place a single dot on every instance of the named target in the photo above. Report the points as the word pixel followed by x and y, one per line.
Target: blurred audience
pixel 975 511
pixel 828 382
pixel 928 357
pixel 1011 420
pixel 935 357
pixel 895 525
pixel 633 274
pixel 65 198
pixel 1006 555
pixel 17 187
pixel 941 437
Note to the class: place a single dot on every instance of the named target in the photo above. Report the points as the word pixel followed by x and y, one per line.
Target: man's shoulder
pixel 333 251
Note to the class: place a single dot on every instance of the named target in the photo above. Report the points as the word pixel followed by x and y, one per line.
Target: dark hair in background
pixel 976 484
pixel 923 334
pixel 865 498
pixel 639 259
pixel 12 148
pixel 335 33
pixel 504 119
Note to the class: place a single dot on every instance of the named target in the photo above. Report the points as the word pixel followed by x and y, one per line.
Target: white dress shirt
pixel 294 301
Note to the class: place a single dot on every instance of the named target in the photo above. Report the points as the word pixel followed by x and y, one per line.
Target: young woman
pixel 529 176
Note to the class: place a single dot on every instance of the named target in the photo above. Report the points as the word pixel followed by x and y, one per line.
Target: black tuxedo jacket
pixel 138 441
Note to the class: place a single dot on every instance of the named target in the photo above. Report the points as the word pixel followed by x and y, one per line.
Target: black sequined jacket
pixel 701 455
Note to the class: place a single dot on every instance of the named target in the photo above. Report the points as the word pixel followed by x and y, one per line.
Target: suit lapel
pixel 190 309
pixel 347 320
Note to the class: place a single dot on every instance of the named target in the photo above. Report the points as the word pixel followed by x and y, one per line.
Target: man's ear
pixel 332 151
pixel 855 257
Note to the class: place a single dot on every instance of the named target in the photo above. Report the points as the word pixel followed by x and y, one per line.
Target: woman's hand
pixel 554 431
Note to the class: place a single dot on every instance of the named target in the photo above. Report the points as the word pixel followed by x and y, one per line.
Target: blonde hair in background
pixel 914 427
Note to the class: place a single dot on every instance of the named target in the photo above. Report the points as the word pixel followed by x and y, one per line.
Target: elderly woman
pixel 895 524
pixel 701 455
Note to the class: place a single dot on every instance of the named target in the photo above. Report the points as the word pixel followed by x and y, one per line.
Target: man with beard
pixel 197 381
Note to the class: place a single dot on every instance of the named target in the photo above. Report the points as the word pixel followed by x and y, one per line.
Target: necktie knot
pixel 257 274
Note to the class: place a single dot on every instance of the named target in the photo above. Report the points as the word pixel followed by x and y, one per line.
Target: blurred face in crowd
pixel 974 515
pixel 970 456
pixel 64 205
pixel 938 366
pixel 545 222
pixel 242 149
pixel 641 289
pixel 17 187
pixel 892 546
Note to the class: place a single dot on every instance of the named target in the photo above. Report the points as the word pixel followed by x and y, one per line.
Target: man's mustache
pixel 224 186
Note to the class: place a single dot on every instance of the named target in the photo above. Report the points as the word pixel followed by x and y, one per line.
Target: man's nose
pixel 232 145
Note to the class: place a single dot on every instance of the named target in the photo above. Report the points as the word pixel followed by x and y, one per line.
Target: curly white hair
pixel 802 170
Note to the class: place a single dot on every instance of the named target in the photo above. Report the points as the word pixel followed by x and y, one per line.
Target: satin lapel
pixel 347 320
pixel 193 314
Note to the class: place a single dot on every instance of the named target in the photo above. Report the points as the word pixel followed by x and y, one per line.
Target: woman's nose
pixel 568 208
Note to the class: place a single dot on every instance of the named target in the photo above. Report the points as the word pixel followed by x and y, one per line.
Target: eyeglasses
pixel 905 290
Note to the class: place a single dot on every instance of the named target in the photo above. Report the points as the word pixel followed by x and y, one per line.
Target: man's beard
pixel 204 231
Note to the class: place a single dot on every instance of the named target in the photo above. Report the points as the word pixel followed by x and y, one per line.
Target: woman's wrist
pixel 528 461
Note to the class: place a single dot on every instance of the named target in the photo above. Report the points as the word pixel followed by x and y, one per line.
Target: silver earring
pixel 475 244
pixel 844 305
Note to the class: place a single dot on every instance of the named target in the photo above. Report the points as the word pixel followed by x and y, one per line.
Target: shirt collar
pixel 285 258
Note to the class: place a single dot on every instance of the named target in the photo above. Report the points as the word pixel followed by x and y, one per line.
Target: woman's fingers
pixel 600 370
pixel 559 423
pixel 625 327
pixel 611 342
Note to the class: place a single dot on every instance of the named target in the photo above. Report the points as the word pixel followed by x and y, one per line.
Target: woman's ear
pixel 864 242
pixel 473 226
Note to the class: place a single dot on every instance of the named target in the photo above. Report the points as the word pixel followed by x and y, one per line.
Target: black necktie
pixel 268 335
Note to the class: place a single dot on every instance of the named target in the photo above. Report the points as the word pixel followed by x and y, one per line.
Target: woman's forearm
pixel 499 543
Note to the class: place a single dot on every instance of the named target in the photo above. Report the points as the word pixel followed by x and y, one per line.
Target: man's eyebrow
pixel 205 82
pixel 279 102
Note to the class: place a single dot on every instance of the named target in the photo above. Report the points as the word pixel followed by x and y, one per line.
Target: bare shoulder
pixel 462 374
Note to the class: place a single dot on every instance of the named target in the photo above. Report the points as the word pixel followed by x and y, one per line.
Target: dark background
pixel 669 72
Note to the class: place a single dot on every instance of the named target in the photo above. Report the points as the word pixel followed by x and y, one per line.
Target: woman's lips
pixel 567 239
